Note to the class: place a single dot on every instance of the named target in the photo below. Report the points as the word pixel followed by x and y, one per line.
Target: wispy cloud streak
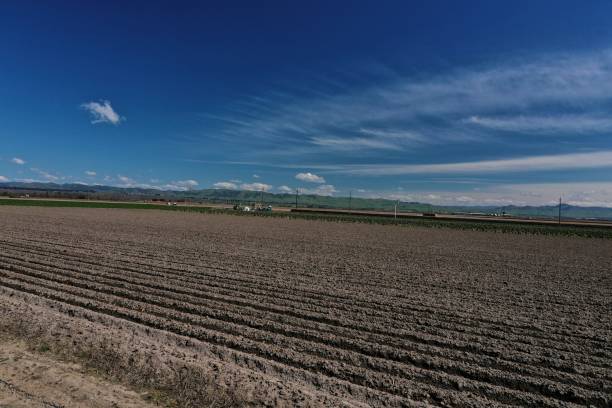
pixel 598 159
pixel 562 93
pixel 553 125
pixel 521 164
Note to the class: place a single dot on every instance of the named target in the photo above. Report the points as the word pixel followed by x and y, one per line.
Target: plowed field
pixel 321 313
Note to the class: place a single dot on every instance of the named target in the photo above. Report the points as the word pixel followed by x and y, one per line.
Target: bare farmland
pixel 294 312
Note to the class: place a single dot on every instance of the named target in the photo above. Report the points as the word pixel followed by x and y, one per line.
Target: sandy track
pixel 339 313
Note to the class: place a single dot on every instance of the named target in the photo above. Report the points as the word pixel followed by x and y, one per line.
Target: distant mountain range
pixel 308 200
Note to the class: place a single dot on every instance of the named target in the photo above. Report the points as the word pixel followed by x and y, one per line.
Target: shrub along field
pixel 294 312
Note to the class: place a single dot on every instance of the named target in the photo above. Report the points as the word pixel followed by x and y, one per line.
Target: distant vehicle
pixel 256 207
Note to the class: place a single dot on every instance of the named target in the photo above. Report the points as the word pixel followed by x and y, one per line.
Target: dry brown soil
pixel 306 313
pixel 36 379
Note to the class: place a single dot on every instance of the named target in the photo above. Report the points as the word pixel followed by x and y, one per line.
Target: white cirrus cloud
pixel 353 143
pixel 563 93
pixel 372 139
pixel 17 160
pixel 309 178
pixel 400 136
pixel 91 173
pixel 225 185
pixel 3 179
pixel 600 159
pixel 545 124
pixel 102 112
pixel 285 189
pixel 256 187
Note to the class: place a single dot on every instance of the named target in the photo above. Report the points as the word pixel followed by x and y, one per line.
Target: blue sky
pixel 449 102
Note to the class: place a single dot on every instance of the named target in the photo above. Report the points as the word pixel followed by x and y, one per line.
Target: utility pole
pixel 297 191
pixel 350 199
pixel 395 210
pixel 559 210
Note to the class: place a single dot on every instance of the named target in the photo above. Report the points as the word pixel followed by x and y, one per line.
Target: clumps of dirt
pixel 38 379
pixel 158 384
pixel 169 370
pixel 281 312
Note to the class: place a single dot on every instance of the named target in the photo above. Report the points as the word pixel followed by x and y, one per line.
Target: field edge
pixel 515 227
